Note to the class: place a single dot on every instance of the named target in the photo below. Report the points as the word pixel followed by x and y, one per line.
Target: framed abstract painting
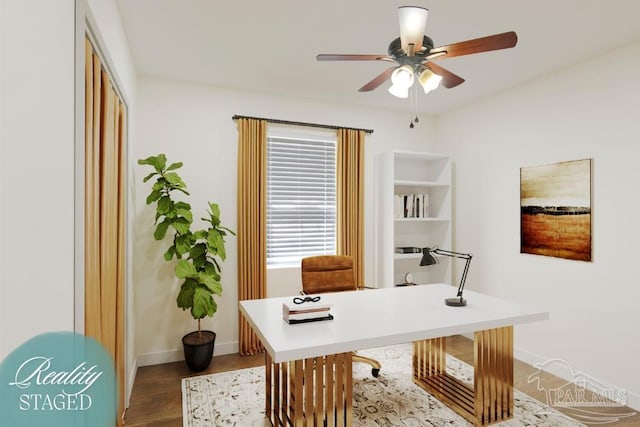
pixel 555 210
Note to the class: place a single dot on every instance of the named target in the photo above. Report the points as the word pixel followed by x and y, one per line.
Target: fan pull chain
pixel 413 101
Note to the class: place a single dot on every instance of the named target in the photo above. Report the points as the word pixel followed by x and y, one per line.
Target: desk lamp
pixel 429 258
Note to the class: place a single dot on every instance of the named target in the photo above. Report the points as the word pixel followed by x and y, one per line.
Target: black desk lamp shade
pixel 429 258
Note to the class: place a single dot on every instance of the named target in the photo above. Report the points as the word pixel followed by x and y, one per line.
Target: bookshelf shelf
pixel 407 256
pixel 419 184
pixel 428 219
pixel 403 177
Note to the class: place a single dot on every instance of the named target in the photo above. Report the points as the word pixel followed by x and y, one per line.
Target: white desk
pixel 320 352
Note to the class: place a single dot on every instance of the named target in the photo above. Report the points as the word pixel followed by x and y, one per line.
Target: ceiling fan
pixel 413 54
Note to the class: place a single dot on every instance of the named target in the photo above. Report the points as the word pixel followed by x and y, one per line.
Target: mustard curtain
pixel 252 222
pixel 104 217
pixel 350 199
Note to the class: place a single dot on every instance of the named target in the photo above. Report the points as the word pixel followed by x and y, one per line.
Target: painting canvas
pixel 555 210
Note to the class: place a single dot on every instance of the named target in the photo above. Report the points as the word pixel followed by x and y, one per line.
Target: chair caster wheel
pixel 375 372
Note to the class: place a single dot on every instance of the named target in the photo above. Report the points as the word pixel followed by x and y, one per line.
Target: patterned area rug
pixel 236 398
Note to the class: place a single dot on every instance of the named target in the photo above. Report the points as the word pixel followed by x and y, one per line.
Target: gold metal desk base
pixel 490 400
pixel 310 392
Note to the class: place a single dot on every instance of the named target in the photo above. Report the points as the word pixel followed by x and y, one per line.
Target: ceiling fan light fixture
pixel 402 76
pixel 402 79
pixel 399 91
pixel 413 22
pixel 429 80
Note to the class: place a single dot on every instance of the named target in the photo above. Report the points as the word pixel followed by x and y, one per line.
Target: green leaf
pixel 215 243
pixel 174 166
pixel 203 303
pixel 164 205
pixel 173 178
pixel 185 269
pixel 161 230
pixel 185 296
pixel 210 268
pixel 183 205
pixel 148 177
pixel 183 244
pixel 168 256
pixel 155 195
pixel 158 162
pixel 186 214
pixel 200 234
pixel 215 210
pixel 197 250
pixel 198 262
pixel 181 225
pixel 160 184
pixel 211 283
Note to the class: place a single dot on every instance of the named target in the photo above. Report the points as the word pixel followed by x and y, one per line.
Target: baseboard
pixel 177 355
pixel 632 399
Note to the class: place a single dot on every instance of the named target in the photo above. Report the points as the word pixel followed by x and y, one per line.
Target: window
pixel 301 196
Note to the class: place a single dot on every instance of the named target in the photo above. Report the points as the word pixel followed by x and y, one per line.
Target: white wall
pixel 192 123
pixel 37 169
pixel 587 111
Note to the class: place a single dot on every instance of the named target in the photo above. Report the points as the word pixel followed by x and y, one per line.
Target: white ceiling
pixel 270 46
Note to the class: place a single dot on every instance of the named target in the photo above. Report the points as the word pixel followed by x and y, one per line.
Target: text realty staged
pixel 71 395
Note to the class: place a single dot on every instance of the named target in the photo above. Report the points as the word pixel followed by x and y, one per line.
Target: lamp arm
pixel 464 275
pixel 451 253
pixel 460 255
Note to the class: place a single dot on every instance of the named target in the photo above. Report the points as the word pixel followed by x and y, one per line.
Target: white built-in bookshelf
pixel 413 209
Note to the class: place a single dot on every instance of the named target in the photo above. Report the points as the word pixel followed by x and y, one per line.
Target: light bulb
pixel 402 76
pixel 413 21
pixel 429 80
pixel 399 91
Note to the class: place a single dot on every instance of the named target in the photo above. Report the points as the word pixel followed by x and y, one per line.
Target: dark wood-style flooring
pixel 157 396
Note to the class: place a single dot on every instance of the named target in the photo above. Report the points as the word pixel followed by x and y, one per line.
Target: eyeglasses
pixel 299 300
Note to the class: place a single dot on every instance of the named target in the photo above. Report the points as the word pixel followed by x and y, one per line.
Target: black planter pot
pixel 198 350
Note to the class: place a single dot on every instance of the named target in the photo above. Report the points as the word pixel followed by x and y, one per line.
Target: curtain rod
pixel 289 122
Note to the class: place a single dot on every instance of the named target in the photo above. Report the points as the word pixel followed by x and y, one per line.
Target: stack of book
pixel 411 206
pixel 306 312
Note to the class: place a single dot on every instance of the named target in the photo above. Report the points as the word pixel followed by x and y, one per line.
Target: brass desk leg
pixel 493 380
pixel 310 392
pixel 490 400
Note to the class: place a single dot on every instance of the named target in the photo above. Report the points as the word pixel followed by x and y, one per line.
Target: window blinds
pixel 301 198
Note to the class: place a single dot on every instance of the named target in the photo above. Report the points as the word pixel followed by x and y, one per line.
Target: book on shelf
pixel 408 250
pixel 411 206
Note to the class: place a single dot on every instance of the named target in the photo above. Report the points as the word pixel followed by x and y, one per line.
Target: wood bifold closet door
pixel 104 213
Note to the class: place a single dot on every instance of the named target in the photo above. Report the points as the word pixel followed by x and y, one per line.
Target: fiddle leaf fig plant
pixel 199 253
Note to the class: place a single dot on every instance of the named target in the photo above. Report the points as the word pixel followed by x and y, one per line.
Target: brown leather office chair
pixel 333 273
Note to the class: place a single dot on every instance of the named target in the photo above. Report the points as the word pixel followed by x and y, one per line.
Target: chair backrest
pixel 327 273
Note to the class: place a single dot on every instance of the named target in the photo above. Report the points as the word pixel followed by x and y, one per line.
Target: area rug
pixel 236 398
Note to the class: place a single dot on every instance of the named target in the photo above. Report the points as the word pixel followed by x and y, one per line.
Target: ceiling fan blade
pixel 341 57
pixel 413 21
pixel 483 44
pixel 449 79
pixel 378 80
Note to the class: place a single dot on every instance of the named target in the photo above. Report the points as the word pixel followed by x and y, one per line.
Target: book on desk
pixel 307 312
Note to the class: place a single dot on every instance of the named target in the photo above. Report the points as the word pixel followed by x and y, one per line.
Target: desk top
pixel 380 317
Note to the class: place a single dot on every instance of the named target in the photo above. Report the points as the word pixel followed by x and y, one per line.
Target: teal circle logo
pixel 58 379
